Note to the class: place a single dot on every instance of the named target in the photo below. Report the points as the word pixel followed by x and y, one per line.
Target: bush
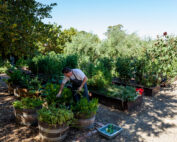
pixel 55 116
pixel 123 68
pixel 51 64
pixel 98 81
pixel 71 61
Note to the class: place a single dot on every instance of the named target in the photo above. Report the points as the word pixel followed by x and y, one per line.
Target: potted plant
pixel 54 123
pixel 85 112
pixel 23 85
pixel 25 110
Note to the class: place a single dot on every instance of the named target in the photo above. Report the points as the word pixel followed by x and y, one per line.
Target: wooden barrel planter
pixel 85 123
pixel 26 117
pixel 52 133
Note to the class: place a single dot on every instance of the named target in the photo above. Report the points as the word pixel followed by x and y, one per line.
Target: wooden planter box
pixel 148 91
pixel 116 102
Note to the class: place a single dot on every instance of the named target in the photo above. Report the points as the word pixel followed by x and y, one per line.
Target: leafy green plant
pixel 17 77
pixel 85 108
pixel 123 67
pixel 55 116
pixel 98 80
pixel 27 103
pixel 125 93
pixel 51 90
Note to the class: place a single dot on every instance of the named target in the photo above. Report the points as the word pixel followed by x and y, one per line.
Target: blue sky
pixel 145 17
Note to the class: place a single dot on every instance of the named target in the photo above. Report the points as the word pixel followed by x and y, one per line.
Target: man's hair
pixel 66 70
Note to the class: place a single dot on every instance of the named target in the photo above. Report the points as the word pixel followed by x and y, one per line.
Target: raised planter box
pixel 116 102
pixel 148 91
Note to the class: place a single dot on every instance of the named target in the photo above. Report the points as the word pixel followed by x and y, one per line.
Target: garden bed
pixel 148 91
pixel 116 102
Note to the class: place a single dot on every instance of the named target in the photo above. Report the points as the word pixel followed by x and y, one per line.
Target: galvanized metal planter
pixel 116 131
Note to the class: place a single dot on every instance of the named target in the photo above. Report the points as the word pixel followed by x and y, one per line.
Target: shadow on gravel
pixel 146 120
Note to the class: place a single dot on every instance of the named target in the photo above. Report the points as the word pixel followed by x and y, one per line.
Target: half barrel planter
pixel 26 117
pixel 52 133
pixel 85 123
pixel 117 103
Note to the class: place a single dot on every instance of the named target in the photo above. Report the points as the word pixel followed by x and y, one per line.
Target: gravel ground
pixel 154 121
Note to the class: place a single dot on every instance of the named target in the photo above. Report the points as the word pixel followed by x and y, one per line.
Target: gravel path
pixel 154 121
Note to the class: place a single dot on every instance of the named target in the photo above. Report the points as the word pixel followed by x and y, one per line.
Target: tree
pixel 19 21
pixel 54 39
pixel 85 45
pixel 119 43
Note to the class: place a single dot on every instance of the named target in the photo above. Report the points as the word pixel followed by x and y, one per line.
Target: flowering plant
pixel 139 91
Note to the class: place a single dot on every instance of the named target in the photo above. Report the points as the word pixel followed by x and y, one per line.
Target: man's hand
pixel 80 88
pixel 58 95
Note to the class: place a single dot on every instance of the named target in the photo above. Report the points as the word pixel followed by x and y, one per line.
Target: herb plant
pixel 27 103
pixel 55 116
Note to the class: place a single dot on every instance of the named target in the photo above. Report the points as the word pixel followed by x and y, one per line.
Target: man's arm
pixel 61 89
pixel 83 82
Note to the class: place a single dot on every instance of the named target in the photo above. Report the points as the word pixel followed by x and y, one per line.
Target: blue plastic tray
pixel 104 133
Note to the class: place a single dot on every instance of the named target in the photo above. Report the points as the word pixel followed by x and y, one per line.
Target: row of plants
pixel 125 93
pixel 53 113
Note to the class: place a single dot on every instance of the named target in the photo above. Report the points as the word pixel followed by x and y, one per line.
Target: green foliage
pixel 85 108
pixel 123 67
pixel 125 93
pixel 17 77
pixel 83 44
pixel 51 90
pixel 50 64
pixel 98 81
pixel 19 21
pixel 71 61
pixel 119 43
pixel 4 65
pixel 55 116
pixel 27 103
pixel 22 63
pixel 54 39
